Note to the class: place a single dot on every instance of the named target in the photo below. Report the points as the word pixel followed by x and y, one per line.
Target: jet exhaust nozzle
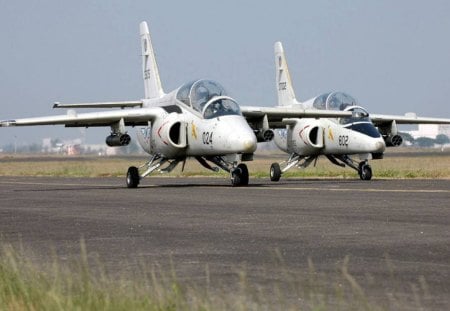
pixel 264 136
pixel 118 140
pixel 393 140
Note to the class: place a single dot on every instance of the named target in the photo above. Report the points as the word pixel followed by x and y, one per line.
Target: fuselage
pixel 347 135
pixel 190 126
pixel 326 136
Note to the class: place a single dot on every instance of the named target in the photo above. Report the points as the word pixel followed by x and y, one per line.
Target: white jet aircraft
pixel 196 120
pixel 338 138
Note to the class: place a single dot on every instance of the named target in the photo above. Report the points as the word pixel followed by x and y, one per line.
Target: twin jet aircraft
pixel 200 120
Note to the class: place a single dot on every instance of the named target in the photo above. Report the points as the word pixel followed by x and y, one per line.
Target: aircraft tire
pixel 239 176
pixel 133 177
pixel 365 172
pixel 275 172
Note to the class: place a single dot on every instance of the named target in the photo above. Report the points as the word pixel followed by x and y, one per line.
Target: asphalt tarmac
pixel 395 233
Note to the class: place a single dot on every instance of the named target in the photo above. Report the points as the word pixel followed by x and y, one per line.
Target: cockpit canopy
pixel 334 101
pixel 208 98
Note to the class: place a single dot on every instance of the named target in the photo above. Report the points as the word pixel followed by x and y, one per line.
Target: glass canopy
pixel 208 98
pixel 334 101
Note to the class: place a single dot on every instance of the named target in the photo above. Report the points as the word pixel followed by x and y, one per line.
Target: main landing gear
pixel 294 160
pixel 238 172
pixel 156 161
pixel 364 169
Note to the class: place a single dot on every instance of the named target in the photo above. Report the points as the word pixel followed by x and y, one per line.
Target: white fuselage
pixel 309 137
pixel 182 132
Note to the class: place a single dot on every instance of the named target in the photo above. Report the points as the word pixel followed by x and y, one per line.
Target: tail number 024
pixel 207 138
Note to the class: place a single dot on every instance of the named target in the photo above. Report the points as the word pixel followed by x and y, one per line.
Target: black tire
pixel 365 172
pixel 133 177
pixel 275 172
pixel 239 176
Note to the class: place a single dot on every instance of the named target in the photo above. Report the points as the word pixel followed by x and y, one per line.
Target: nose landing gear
pixel 239 175
pixel 365 171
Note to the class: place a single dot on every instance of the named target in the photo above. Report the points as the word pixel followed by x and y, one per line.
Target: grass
pixel 84 284
pixel 419 164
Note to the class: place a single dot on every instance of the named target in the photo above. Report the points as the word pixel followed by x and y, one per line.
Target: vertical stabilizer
pixel 152 82
pixel 286 95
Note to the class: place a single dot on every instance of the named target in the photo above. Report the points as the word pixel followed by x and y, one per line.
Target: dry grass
pixel 83 283
pixel 397 164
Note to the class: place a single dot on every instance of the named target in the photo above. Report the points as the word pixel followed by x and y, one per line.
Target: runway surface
pixel 396 233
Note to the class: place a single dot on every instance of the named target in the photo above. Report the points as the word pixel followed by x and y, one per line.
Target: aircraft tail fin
pixel 286 95
pixel 152 82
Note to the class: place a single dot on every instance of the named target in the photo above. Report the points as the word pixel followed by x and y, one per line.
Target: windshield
pixel 197 94
pixel 359 114
pixel 360 122
pixel 221 106
pixel 334 101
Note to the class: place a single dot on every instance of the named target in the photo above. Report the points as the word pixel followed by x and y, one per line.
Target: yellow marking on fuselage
pixel 194 130
pixel 330 134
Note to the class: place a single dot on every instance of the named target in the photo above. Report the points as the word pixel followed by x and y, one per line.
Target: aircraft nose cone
pixel 243 141
pixel 250 144
pixel 380 146
pixel 236 134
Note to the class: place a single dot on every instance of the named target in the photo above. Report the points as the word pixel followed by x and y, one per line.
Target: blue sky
pixel 392 56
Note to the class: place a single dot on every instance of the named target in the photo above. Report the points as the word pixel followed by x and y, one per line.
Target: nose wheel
pixel 239 176
pixel 365 171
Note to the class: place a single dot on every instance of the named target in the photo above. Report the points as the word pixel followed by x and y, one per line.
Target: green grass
pixel 84 284
pixel 406 165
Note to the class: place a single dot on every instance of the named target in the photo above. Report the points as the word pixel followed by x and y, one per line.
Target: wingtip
pixel 6 123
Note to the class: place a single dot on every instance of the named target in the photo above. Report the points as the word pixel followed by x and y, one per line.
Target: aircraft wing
pixel 280 116
pixel 102 118
pixel 379 119
pixel 121 104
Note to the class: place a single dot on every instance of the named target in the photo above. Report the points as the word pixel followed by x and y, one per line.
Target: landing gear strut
pixel 133 176
pixel 238 172
pixel 294 160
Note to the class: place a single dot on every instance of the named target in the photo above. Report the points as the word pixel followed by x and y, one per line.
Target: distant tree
pixel 425 142
pixel 407 137
pixel 442 139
